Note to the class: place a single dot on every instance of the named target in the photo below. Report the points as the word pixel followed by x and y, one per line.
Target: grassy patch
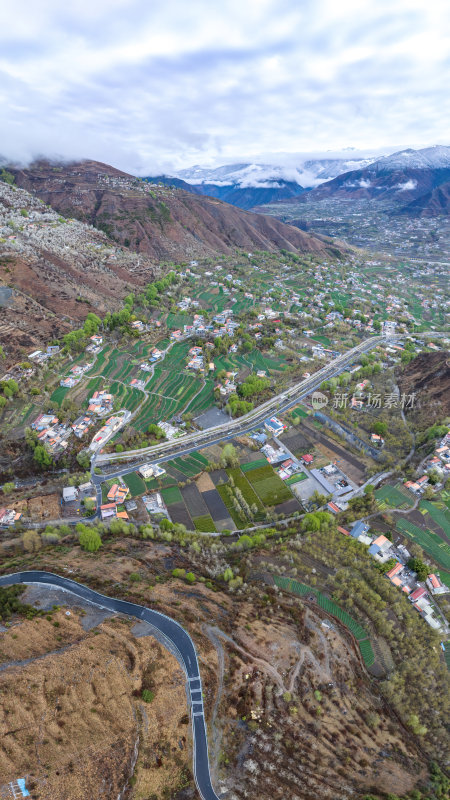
pixel 204 524
pixel 135 484
pixel 300 476
pixel 251 465
pixel 268 486
pixel 393 497
pixel 429 541
pixel 171 495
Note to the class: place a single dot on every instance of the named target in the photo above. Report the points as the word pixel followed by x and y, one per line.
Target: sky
pixel 154 87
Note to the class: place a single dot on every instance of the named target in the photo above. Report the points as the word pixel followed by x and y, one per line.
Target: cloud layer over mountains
pixel 152 87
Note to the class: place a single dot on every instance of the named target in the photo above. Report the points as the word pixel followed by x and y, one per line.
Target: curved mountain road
pixel 177 641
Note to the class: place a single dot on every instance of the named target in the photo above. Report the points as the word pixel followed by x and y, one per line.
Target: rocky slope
pixel 53 271
pixel 160 221
pixel 428 377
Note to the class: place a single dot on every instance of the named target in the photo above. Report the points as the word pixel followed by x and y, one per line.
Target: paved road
pixel 255 418
pixel 178 642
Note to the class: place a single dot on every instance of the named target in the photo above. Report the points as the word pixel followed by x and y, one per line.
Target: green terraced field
pixel 394 497
pixel 331 607
pixel 59 395
pixel 171 495
pixel 204 524
pixel 441 516
pixel 269 486
pixel 429 541
pixel 175 321
pixel 135 484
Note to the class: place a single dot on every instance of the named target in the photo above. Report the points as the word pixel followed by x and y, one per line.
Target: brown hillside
pixel 53 271
pixel 428 377
pixel 161 221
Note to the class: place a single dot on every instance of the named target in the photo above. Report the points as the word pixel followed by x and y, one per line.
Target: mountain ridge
pixel 159 221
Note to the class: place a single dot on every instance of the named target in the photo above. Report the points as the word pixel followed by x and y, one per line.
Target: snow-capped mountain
pixel 306 174
pixel 401 179
pixel 251 184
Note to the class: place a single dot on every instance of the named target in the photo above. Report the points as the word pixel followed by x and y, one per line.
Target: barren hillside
pixel 53 271
pixel 161 221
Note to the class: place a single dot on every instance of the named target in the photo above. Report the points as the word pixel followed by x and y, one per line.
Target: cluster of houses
pixel 116 496
pixel 227 386
pixel 51 432
pixel 76 373
pixel 95 345
pixel 39 356
pixel 222 324
pixel 440 460
pixel 111 426
pixel 196 359
pixel 383 550
pixel 74 494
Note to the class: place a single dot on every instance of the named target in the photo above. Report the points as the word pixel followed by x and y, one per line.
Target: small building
pixel 358 529
pixel 435 584
pixel 307 459
pixel 108 511
pixel 274 425
pixel 70 494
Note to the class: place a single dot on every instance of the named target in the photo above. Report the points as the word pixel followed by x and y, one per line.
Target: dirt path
pixel 215 739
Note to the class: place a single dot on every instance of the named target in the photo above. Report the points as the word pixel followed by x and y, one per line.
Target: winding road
pixel 177 641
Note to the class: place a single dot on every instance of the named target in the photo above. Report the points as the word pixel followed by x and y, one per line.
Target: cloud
pixel 153 87
pixel 408 186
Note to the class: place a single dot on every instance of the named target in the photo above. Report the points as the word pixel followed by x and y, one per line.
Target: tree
pixel 31 541
pixel 2 402
pixel 89 504
pixel 229 457
pixel 419 568
pixel 416 726
pixel 434 477
pixel 228 575
pixel 8 487
pixel 42 458
pixel 90 540
pixel 83 459
pixel 380 428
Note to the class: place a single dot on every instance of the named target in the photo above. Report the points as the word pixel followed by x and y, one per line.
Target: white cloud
pixel 408 186
pixel 152 87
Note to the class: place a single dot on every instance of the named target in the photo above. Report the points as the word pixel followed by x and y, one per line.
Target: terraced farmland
pixel 393 497
pixel 268 486
pixel 436 547
pixel 331 607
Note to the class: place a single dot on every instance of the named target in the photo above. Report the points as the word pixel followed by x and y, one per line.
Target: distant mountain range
pixel 248 185
pixel 414 182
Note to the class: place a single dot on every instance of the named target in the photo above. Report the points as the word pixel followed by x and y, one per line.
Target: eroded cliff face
pixel 428 377
pixel 53 271
pixel 161 221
